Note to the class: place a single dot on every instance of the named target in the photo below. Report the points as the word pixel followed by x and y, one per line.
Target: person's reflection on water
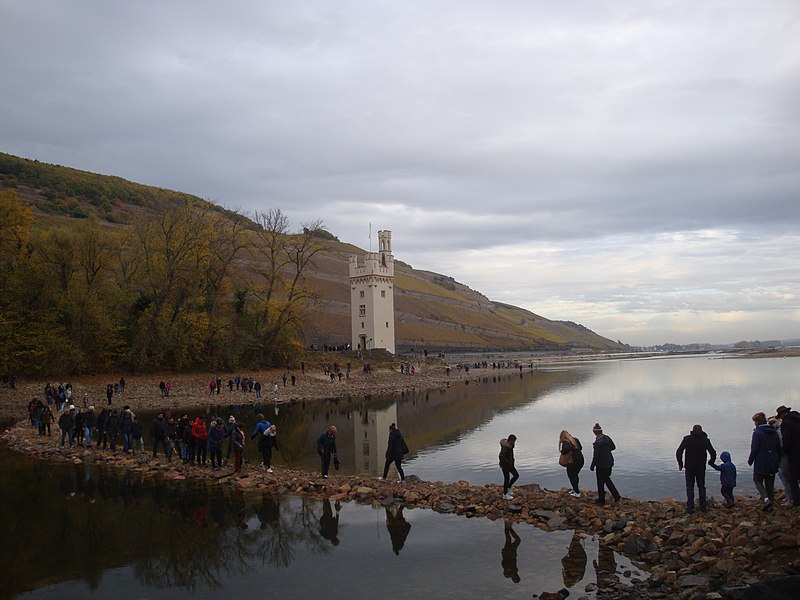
pixel 573 565
pixel 269 512
pixel 508 555
pixel 398 527
pixel 328 523
pixel 605 567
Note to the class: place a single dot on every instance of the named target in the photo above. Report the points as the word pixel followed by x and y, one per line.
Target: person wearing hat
pixel 790 470
pixel 603 461
pixel 696 447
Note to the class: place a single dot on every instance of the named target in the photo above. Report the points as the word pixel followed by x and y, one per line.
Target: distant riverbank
pixel 312 383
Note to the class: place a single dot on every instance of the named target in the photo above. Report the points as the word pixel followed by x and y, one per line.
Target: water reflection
pixel 119 534
pixel 398 527
pixel 508 555
pixel 573 565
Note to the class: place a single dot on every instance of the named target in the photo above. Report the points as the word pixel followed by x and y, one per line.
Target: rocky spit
pixel 724 553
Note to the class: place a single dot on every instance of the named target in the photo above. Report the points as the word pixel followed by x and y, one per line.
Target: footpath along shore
pixel 705 555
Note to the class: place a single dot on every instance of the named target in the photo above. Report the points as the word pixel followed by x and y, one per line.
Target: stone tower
pixel 372 297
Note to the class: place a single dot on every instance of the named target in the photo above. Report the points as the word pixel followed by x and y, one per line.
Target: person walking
pixel 266 443
pixel 506 456
pixel 237 437
pixel 727 477
pixel 603 461
pixel 571 457
pixel 765 451
pixel 790 432
pixel 696 446
pixel 326 448
pixel 395 449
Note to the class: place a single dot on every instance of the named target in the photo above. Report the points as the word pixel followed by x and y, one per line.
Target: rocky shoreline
pixel 705 555
pixel 710 555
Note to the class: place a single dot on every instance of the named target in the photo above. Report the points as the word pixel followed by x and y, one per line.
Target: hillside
pixel 433 311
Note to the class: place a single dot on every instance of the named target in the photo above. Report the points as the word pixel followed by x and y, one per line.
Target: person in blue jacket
pixel 765 455
pixel 326 448
pixel 727 477
pixel 216 437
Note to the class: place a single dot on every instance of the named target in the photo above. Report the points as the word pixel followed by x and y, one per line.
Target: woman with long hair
pixel 571 457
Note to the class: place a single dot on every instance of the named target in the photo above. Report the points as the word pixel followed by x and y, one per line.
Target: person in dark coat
pixel 790 432
pixel 506 461
pixel 395 449
pixel 267 442
pixel 603 461
pixel 89 423
pixel 160 436
pixel 696 446
pixel 67 424
pixel 326 448
pixel 216 437
pixel 571 447
pixel 765 451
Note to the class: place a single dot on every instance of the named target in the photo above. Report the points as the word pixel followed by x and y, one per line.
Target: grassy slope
pixel 431 309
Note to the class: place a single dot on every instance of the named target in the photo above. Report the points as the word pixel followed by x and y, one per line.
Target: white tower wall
pixel 372 297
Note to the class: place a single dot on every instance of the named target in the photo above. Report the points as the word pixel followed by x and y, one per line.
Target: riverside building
pixel 372 297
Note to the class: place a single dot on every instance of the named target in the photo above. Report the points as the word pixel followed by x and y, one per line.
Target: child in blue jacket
pixel 727 477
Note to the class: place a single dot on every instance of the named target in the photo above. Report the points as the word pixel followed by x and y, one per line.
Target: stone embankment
pixel 704 555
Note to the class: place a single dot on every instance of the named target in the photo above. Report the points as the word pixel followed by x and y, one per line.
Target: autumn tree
pixel 278 298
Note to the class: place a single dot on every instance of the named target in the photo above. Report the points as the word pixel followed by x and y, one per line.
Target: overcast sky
pixel 632 166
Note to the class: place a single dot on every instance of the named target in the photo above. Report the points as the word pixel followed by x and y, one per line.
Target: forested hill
pixel 91 278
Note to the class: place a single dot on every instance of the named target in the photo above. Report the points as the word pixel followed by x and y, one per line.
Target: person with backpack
pixel 395 449
pixel 571 457
pixel 268 441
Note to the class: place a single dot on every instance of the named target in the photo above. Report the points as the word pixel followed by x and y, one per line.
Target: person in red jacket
pixel 200 435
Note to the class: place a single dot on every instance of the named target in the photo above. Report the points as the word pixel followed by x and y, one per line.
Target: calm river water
pixel 73 531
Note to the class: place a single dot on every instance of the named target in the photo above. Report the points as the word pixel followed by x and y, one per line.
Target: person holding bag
pixel 571 457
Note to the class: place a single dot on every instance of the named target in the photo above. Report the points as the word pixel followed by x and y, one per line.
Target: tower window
pixel 361 294
pixel 362 324
pixel 362 310
pixel 383 293
pixel 387 324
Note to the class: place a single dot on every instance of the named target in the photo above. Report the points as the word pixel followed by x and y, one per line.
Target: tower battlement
pixel 372 297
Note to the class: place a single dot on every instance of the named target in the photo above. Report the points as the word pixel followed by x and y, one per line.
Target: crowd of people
pixel 774 449
pixel 775 443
